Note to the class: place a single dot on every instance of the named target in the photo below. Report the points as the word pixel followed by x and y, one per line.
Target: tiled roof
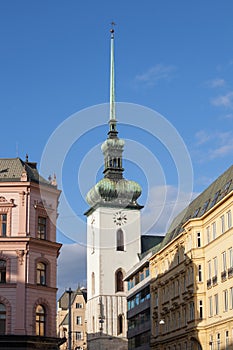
pixel 149 241
pixel 11 169
pixel 199 206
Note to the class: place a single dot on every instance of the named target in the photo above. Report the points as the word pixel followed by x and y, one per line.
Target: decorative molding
pixel 42 205
pixel 20 254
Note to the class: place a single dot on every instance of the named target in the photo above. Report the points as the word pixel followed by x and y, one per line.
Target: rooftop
pixel 15 169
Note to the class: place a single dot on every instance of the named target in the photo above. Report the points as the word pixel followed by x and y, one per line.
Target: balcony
pixel 230 272
pixel 209 283
pixel 223 276
pixel 215 280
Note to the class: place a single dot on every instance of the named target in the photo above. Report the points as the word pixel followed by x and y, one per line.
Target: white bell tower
pixel 113 241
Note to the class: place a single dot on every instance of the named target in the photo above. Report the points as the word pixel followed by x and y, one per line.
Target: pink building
pixel 28 257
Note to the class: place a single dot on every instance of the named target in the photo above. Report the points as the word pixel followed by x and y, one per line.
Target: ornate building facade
pixel 28 255
pixel 192 275
pixel 113 241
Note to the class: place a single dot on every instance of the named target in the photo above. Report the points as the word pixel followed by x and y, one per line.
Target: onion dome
pixel 107 191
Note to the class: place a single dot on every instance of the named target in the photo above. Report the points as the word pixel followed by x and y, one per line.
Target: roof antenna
pixel 26 158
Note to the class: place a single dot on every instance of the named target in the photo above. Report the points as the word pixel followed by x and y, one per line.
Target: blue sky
pixel 173 57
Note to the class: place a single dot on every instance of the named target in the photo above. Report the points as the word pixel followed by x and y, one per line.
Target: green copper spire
pixel 113 189
pixel 112 117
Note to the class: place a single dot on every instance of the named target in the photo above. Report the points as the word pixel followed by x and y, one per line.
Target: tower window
pixel 40 320
pixel 120 324
pixel 120 240
pixel 119 281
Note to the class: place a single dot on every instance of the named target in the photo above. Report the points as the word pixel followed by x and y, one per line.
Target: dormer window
pixel 216 196
pixel 204 208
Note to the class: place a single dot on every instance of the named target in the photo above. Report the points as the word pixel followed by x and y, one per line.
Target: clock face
pixel 120 218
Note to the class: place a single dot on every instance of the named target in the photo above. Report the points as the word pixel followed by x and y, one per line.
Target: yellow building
pixel 77 332
pixel 192 275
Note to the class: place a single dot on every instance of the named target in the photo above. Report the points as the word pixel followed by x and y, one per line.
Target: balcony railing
pixel 223 276
pixel 209 284
pixel 230 272
pixel 214 280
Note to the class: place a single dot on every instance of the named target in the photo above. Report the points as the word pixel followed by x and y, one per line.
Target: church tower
pixel 113 240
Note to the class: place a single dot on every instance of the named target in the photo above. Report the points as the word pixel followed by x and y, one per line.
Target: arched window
pixel 41 273
pixel 119 281
pixel 40 320
pixel 120 240
pixel 120 324
pixel 2 271
pixel 93 283
pixel 2 319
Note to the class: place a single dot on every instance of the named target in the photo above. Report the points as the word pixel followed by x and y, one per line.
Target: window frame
pixel 3 318
pixel 40 321
pixel 216 304
pixel 42 227
pixel 229 219
pixel 119 283
pixel 199 239
pixel 3 271
pixel 6 209
pixel 41 273
pixel 214 230
pixel 225 300
pixel 222 219
pixel 79 320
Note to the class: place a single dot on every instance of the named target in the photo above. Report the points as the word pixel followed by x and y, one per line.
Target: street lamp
pixel 69 291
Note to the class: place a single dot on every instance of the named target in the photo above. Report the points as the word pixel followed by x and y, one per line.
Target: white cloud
pixel 222 150
pixel 224 100
pixel 164 204
pixel 154 74
pixel 71 267
pixel 228 116
pixel 215 83
pixel 202 137
pixel 217 144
